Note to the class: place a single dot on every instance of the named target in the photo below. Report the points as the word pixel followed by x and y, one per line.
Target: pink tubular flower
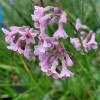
pixel 44 18
pixel 10 35
pixel 63 17
pixel 20 38
pixel 27 52
pixel 92 44
pixel 40 11
pixel 39 49
pixel 41 18
pixel 69 62
pixel 52 71
pixel 75 42
pixel 60 32
pixel 39 14
pixel 46 43
pixel 79 25
pixel 65 72
pixel 88 41
pixel 16 47
pixel 36 19
pixel 43 26
pixel 53 20
pixel 45 65
pixel 28 34
pixel 49 60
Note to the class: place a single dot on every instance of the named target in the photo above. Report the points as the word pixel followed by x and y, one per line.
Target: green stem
pixel 31 77
pixel 86 57
pixel 42 3
pixel 82 9
pixel 95 12
pixel 3 85
pixel 78 35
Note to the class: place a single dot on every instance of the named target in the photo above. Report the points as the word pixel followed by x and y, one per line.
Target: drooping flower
pixel 92 44
pixel 40 11
pixel 27 52
pixel 52 71
pixel 53 20
pixel 43 26
pixel 45 65
pixel 39 49
pixel 10 35
pixel 16 47
pixel 52 51
pixel 28 34
pixel 44 18
pixel 63 17
pixel 60 32
pixel 88 41
pixel 76 43
pixel 36 19
pixel 69 62
pixel 79 25
pixel 20 38
pixel 41 18
pixel 65 72
pixel 39 14
pixel 46 43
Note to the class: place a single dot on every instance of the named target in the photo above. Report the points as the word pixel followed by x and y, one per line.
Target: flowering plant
pixel 50 50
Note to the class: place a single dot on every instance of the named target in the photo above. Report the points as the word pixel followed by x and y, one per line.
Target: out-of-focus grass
pixel 37 86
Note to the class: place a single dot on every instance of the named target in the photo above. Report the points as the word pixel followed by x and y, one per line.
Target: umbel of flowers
pixel 49 49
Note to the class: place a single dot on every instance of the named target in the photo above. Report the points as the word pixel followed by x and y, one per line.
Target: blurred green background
pixel 19 83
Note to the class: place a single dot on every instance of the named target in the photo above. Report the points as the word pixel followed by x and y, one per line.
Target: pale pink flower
pixel 79 25
pixel 92 44
pixel 88 41
pixel 45 65
pixel 27 51
pixel 39 49
pixel 52 71
pixel 40 11
pixel 76 43
pixel 20 38
pixel 44 18
pixel 16 47
pixel 63 17
pixel 28 34
pixel 53 20
pixel 60 32
pixel 10 35
pixel 43 26
pixel 69 62
pixel 65 72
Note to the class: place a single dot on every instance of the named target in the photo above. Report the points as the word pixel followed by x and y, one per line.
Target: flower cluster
pixel 88 40
pixel 20 39
pixel 42 19
pixel 50 51
pixel 52 54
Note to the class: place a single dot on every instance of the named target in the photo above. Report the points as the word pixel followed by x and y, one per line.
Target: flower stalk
pixel 80 42
pixel 31 76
